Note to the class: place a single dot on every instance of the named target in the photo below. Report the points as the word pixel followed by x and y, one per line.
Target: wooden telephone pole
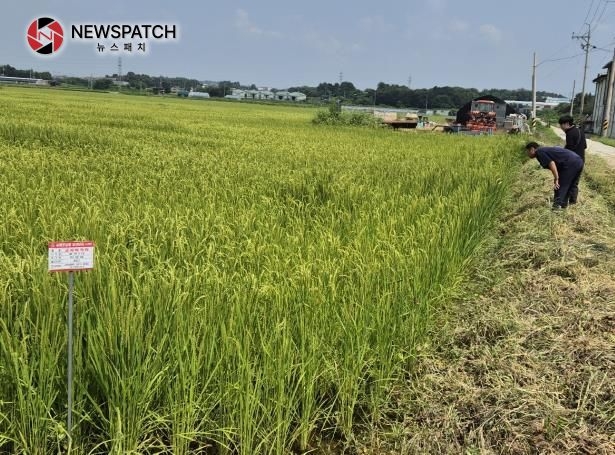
pixel 585 46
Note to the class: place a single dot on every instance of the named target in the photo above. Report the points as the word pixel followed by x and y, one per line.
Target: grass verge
pixel 605 140
pixel 523 361
pixel 601 178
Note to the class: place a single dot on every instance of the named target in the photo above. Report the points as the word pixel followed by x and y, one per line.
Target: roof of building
pixel 19 79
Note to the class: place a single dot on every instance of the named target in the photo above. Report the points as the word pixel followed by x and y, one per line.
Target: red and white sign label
pixel 71 256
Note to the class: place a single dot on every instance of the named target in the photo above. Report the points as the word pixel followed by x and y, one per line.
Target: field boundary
pixel 523 362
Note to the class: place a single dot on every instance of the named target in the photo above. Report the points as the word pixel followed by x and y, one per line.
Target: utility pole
pixel 586 46
pixel 572 97
pixel 609 98
pixel 410 82
pixel 534 88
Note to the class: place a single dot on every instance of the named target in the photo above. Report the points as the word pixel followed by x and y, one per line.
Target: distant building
pixel 22 80
pixel 239 94
pixel 599 115
pixel 194 94
pixel 552 99
pixel 258 95
pixel 290 96
pixel 236 94
pixel 525 107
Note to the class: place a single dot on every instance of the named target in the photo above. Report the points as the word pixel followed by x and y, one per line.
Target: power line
pixel 557 67
pixel 586 47
pixel 588 11
pixel 560 50
pixel 595 13
pixel 606 3
pixel 560 59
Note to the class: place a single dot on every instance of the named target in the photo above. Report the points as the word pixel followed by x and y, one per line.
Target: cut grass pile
pixel 524 361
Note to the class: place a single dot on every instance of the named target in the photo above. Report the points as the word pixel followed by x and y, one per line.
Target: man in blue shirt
pixel 566 167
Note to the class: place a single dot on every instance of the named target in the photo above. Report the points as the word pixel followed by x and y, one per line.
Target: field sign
pixel 71 256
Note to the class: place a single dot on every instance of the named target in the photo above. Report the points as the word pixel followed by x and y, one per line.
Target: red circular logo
pixel 45 35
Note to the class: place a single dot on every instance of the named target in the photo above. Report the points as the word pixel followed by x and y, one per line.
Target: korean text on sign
pixel 71 256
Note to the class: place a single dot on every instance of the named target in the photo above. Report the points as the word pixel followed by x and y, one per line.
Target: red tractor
pixel 482 116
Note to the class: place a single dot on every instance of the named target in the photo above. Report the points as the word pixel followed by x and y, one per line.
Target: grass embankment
pixel 524 361
pixel 605 140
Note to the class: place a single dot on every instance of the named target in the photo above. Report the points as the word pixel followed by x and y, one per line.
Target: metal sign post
pixel 69 374
pixel 70 257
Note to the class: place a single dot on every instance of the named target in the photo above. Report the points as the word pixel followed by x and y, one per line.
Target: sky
pixel 276 43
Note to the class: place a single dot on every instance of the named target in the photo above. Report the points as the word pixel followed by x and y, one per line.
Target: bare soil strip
pixel 524 361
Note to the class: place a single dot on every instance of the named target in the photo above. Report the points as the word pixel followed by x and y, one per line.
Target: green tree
pixel 102 84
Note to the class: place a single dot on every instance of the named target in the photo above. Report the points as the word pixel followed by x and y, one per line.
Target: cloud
pixel 491 33
pixel 375 24
pixel 329 45
pixel 245 24
pixel 437 5
pixel 457 25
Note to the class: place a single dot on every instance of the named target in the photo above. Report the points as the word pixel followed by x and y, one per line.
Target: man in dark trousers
pixel 566 167
pixel 575 141
pixel 575 138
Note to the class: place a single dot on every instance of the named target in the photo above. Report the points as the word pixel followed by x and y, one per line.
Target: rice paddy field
pixel 259 282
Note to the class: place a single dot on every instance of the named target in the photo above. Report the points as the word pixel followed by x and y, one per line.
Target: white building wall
pixel 610 132
pixel 599 101
pixel 598 115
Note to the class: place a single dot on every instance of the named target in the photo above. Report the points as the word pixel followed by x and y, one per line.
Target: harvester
pixel 482 116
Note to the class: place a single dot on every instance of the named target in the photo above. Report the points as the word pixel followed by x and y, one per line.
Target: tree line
pixel 8 70
pixel 402 96
pixel 383 95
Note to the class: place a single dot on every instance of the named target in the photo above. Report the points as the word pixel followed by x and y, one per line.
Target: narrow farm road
pixel 605 151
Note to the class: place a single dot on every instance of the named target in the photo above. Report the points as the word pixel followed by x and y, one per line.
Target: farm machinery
pixel 482 116
pixel 487 115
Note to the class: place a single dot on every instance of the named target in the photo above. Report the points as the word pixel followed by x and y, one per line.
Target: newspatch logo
pixel 45 35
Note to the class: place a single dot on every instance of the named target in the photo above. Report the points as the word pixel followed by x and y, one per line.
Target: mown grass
pixel 260 282
pixel 601 177
pixel 522 362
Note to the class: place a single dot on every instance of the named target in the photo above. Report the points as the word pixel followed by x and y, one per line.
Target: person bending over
pixel 566 167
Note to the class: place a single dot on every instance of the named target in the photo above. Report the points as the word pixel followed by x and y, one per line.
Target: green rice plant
pixel 260 281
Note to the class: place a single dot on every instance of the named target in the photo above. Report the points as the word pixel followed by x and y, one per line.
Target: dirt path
pixel 525 363
pixel 605 151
